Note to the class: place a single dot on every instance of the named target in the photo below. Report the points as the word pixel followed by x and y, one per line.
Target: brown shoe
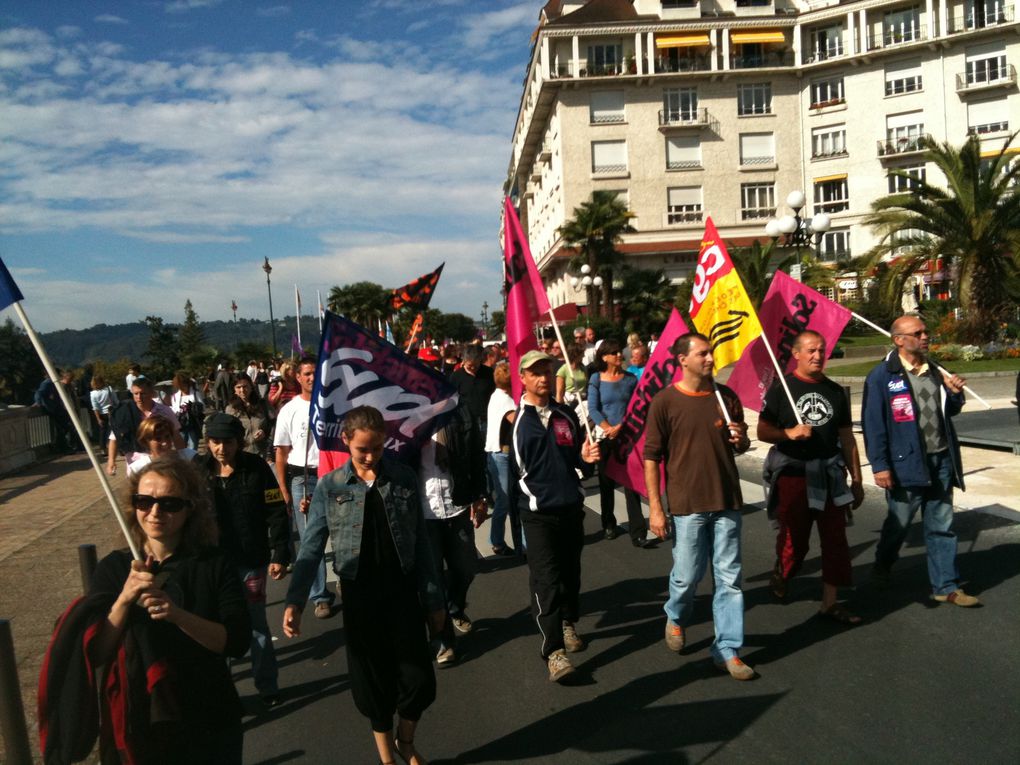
pixel 676 638
pixel 323 610
pixel 737 669
pixel 559 666
pixel 571 641
pixel 958 598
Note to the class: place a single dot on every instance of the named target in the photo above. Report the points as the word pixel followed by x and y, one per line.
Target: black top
pixel 475 389
pixel 206 584
pixel 823 406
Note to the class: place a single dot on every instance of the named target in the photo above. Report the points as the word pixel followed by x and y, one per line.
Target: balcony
pixel 677 118
pixel 890 38
pixel 761 60
pixel 835 50
pixel 680 215
pixel 899 147
pixel 984 18
pixel 668 65
pixel 1002 76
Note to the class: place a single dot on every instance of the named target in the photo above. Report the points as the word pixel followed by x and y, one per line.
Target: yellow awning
pixel 682 41
pixel 740 38
pixel 836 177
pixel 995 152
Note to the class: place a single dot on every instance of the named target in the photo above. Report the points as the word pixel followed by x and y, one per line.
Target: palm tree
pixel 367 303
pixel 754 264
pixel 645 298
pixel 593 232
pixel 973 224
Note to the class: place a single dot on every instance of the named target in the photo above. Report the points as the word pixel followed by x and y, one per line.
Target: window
pixel 985 13
pixel 985 65
pixel 834 246
pixel 907 182
pixel 757 200
pixel 683 205
pixel 827 92
pixel 754 99
pixel 683 152
pixel 831 195
pixel 987 117
pixel 606 107
pixel 903 77
pixel 828 141
pixel 902 131
pixel 668 4
pixel 605 59
pixel 757 149
pixel 826 43
pixel 609 156
pixel 679 105
pixel 902 26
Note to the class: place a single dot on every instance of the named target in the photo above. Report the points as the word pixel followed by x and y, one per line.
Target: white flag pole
pixel 782 377
pixel 722 404
pixel 318 297
pixel 945 372
pixel 297 305
pixel 563 349
pixel 72 412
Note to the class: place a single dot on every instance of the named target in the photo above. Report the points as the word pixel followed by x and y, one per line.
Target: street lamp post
pixel 797 231
pixel 272 324
pixel 589 282
pixel 485 318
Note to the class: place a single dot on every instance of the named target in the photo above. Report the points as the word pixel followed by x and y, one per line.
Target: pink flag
pixel 626 464
pixel 788 309
pixel 526 301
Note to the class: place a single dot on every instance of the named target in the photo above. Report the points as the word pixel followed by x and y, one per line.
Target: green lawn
pixel 862 368
pixel 860 341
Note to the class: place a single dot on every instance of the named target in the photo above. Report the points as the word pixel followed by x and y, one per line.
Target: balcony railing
pixel 828 153
pixel 890 38
pixel 666 65
pixel 677 215
pixel 683 117
pixel 683 164
pixel 757 213
pixel 822 103
pixel 832 206
pixel 988 77
pixel 824 54
pixel 989 127
pixel 992 17
pixel 761 60
pixel 607 169
pixel 752 161
pixel 898 146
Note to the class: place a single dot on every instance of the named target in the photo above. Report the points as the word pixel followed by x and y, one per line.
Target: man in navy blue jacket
pixel 547 450
pixel 909 436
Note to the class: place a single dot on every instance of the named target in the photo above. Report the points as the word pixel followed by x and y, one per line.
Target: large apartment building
pixel 691 108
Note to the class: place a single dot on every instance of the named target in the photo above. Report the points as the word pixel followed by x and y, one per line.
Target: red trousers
pixel 792 542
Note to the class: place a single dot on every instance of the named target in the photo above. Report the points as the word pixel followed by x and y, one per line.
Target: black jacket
pixel 250 511
pixel 545 460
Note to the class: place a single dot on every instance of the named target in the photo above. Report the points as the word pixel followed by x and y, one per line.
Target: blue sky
pixel 152 152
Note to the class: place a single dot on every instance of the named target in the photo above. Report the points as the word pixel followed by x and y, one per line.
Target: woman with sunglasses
pixel 154 635
pixel 609 392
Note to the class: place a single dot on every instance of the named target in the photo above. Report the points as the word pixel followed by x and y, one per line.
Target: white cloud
pixel 109 18
pixel 182 6
pixel 506 24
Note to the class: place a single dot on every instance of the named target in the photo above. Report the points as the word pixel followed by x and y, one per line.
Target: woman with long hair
pixel 189 407
pixel 284 388
pixel 151 637
pixel 156 436
pixel 609 392
pixel 571 379
pixel 250 409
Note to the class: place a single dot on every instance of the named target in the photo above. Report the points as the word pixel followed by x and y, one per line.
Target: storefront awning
pixel 682 41
pixel 742 38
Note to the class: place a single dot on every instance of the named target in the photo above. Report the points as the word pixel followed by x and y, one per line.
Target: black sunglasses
pixel 168 504
pixel 919 334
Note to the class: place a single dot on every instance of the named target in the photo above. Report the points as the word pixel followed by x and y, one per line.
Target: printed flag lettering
pixel 787 310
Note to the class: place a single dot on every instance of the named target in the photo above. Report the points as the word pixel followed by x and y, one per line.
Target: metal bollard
pixel 87 565
pixel 12 711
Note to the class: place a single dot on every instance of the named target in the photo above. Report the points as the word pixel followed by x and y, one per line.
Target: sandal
pixel 840 615
pixel 413 755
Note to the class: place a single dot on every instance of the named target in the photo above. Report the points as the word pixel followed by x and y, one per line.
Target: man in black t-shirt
pixel 475 385
pixel 805 472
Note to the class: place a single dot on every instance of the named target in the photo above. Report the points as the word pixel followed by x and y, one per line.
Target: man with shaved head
pixel 907 411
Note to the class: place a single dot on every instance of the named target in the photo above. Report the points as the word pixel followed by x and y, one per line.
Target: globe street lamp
pixel 272 324
pixel 796 231
pixel 589 282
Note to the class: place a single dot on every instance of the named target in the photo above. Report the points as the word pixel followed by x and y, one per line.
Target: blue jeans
pixel 263 655
pixel 936 505
pixel 697 538
pixel 299 489
pixel 499 477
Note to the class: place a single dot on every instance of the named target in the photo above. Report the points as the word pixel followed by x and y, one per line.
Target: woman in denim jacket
pixel 370 510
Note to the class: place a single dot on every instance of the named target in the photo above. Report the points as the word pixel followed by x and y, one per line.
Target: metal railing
pixel 824 54
pixel 966 22
pixel 683 117
pixel 842 152
pixel 665 65
pixel 989 127
pixel 761 60
pixel 890 38
pixel 1001 75
pixel 905 145
pixel 678 215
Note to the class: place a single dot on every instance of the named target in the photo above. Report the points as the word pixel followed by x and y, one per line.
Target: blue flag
pixel 9 292
pixel 356 368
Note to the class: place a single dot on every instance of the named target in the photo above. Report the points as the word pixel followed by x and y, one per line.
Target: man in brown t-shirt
pixel 689 430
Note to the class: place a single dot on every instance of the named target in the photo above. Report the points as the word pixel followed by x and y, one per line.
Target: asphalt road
pixel 917 682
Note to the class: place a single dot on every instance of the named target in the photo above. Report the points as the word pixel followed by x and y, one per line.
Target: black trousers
pixel 453 544
pixel 637 526
pixel 555 538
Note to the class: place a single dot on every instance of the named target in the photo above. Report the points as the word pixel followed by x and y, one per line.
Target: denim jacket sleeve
pixel 313 544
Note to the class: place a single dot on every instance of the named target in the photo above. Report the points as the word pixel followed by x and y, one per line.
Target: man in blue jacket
pixel 907 412
pixel 547 450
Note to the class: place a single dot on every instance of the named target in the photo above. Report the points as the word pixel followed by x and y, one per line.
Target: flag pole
pixel 563 350
pixel 297 304
pixel 945 372
pixel 782 378
pixel 318 298
pixel 72 412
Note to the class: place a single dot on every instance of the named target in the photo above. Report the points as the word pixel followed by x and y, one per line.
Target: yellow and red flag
pixel 720 308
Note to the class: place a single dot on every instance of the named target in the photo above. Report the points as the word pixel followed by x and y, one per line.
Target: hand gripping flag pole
pixel 10 295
